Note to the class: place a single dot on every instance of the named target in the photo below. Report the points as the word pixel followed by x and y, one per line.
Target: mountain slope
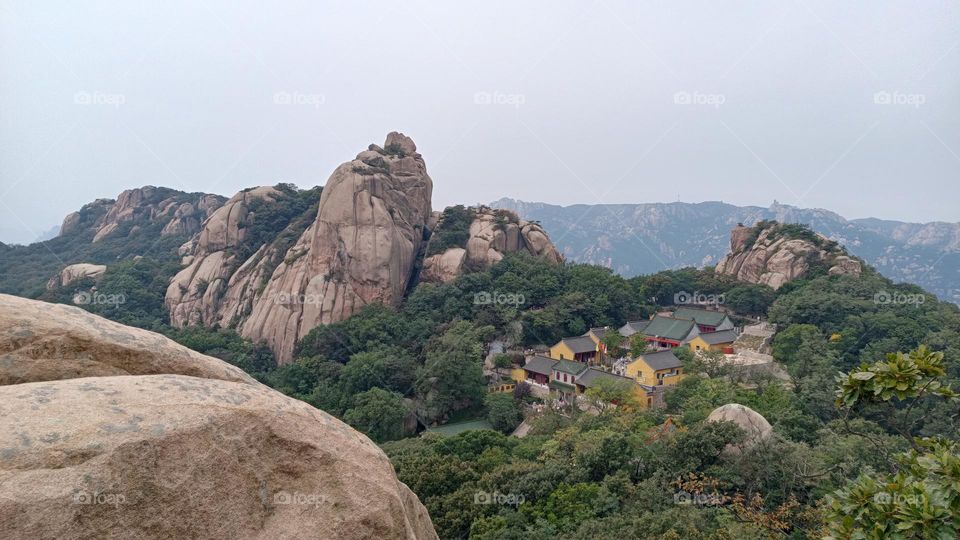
pixel 635 239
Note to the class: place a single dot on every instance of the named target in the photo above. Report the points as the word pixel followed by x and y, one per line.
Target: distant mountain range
pixel 636 239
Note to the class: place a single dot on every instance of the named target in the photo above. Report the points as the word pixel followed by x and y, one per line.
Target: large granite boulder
pixel 179 213
pixel 47 342
pixel 171 456
pixel 492 234
pixel 172 444
pixel 768 255
pixel 755 426
pixel 362 248
pixel 74 273
pixel 212 289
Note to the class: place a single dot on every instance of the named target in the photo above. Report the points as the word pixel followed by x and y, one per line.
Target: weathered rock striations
pixel 176 212
pixel 771 254
pixel 492 234
pixel 361 249
pixel 217 286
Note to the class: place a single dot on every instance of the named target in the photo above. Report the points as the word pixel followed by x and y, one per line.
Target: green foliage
pixel 453 229
pixel 451 378
pixel 227 345
pixel 922 499
pixel 503 412
pixel 378 413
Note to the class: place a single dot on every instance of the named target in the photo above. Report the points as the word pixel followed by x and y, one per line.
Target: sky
pixel 849 106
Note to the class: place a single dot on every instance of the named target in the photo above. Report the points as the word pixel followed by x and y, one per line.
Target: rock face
pixel 215 287
pixel 775 257
pixel 76 272
pixel 753 423
pixel 176 212
pixel 361 249
pixel 492 234
pixel 47 342
pixel 120 452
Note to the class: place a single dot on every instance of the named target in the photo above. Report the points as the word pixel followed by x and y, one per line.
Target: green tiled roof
pixel 540 364
pixel 569 366
pixel 723 336
pixel 589 378
pixel 669 328
pixel 701 316
pixel 557 385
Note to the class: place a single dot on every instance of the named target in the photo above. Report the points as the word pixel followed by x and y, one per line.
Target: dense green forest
pixel 863 437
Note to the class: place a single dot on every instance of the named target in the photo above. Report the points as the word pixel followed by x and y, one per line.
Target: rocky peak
pixel 772 253
pixel 362 247
pixel 172 212
pixel 210 290
pixel 477 238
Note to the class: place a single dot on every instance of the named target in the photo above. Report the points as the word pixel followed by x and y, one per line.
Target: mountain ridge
pixel 677 234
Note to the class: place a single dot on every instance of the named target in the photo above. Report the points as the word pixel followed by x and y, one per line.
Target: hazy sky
pixel 562 102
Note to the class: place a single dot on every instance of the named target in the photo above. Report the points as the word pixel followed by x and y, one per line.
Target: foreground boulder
pixel 47 342
pixel 171 456
pixel 108 431
pixel 772 254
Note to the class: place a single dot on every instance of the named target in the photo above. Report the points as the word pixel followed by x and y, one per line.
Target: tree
pixel 607 391
pixel 750 299
pixel 378 413
pixel 922 500
pixel 613 341
pixel 638 345
pixel 452 376
pixel 502 412
pixel 388 367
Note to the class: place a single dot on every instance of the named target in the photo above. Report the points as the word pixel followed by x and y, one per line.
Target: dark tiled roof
pixel 669 328
pixel 723 336
pixel 580 344
pixel 599 331
pixel 540 364
pixel 592 375
pixel 633 327
pixel 702 316
pixel 569 366
pixel 662 360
